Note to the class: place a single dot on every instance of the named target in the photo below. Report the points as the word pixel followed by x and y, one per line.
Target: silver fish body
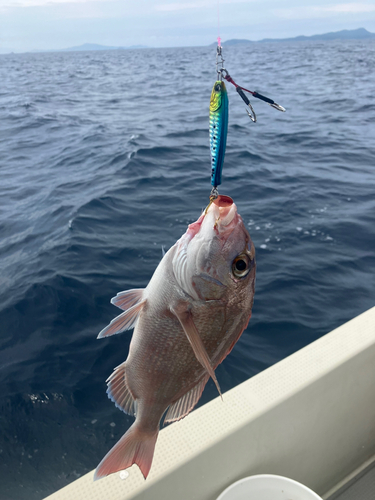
pixel 187 320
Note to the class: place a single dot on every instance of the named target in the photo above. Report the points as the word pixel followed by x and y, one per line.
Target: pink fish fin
pixel 119 392
pixel 186 319
pixel 126 300
pixel 125 321
pixel 135 447
pixel 184 405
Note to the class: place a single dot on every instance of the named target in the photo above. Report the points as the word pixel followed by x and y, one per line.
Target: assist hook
pixel 251 113
pixel 240 92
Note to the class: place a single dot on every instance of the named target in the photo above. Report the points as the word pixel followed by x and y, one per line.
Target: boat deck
pixel 360 487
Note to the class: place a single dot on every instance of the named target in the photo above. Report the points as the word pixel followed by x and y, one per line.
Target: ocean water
pixel 104 159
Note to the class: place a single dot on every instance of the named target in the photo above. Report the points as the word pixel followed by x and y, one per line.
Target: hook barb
pixel 251 113
pixel 277 106
pixel 269 101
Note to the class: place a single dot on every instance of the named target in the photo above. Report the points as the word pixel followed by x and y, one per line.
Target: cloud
pixel 9 4
pixel 171 7
pixel 353 8
pixel 205 4
pixel 311 12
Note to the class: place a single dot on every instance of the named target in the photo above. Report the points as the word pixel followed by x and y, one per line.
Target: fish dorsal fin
pixel 186 403
pixel 125 321
pixel 126 300
pixel 119 392
pixel 186 319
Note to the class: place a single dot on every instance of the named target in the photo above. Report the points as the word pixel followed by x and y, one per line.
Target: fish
pixel 186 321
pixel 218 129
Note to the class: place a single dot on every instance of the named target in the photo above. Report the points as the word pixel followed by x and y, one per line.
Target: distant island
pixel 94 46
pixel 358 34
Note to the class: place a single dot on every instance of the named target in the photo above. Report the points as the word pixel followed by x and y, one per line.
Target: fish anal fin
pixel 186 403
pixel 126 300
pixel 186 319
pixel 125 321
pixel 119 392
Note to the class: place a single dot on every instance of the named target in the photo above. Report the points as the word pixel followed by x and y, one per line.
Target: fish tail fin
pixel 135 447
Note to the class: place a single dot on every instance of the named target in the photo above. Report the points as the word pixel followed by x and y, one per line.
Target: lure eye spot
pixel 217 88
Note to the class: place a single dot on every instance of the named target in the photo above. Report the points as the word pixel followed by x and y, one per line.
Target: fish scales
pixel 188 319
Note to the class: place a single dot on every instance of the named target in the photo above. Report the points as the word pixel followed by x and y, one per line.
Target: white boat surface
pixel 310 417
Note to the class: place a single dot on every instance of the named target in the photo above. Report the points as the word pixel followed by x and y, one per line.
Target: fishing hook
pixel 214 194
pixel 251 113
pixel 269 101
pixel 239 90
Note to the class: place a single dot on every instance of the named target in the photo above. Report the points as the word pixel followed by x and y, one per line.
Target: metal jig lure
pixel 219 117
pixel 218 123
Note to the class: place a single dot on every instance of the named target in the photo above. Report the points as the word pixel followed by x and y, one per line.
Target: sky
pixel 27 25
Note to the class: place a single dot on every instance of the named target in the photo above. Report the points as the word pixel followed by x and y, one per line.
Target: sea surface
pixel 104 160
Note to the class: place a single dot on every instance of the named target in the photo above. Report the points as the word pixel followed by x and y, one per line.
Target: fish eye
pixel 218 87
pixel 241 265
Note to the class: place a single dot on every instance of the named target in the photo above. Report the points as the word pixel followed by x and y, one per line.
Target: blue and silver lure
pixel 219 116
pixel 218 130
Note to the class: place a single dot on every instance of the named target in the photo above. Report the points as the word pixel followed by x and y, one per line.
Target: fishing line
pixel 218 124
pixel 218 24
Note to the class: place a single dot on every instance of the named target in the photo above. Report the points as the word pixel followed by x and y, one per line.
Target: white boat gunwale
pixel 310 417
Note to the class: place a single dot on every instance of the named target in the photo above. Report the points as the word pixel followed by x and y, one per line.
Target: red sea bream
pixel 186 321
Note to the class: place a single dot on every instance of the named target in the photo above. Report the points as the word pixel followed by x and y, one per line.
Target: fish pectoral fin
pixel 186 403
pixel 126 300
pixel 119 392
pixel 186 319
pixel 125 321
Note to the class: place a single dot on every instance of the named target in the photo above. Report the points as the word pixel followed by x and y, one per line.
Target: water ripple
pixel 103 163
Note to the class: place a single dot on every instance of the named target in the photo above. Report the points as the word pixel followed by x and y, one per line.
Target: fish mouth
pixel 224 209
pixel 223 201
